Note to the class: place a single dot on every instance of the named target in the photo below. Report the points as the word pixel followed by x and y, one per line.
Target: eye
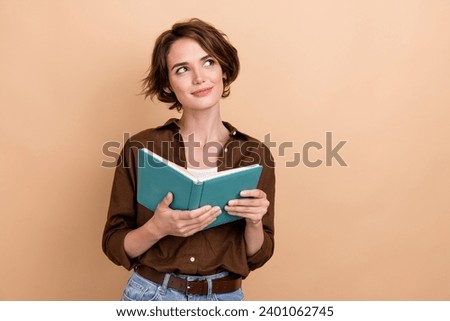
pixel 181 70
pixel 209 62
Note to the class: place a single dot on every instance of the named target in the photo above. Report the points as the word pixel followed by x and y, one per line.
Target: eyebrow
pixel 179 64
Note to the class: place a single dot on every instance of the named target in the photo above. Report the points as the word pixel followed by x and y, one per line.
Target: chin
pixel 202 104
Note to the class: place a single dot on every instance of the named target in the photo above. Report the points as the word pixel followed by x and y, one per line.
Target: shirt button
pixel 192 259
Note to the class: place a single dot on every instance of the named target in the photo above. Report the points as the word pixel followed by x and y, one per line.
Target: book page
pixel 228 172
pixel 186 173
pixel 176 167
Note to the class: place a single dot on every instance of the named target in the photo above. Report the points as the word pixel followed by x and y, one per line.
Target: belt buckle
pixel 188 287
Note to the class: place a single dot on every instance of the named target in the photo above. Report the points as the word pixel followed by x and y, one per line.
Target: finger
pixel 200 213
pixel 192 229
pixel 198 224
pixel 256 193
pixel 246 210
pixel 207 219
pixel 207 216
pixel 166 201
pixel 240 209
pixel 251 202
pixel 248 216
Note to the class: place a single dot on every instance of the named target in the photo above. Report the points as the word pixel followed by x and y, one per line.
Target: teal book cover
pixel 158 176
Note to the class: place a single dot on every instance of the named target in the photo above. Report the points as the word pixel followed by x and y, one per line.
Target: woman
pixel 173 258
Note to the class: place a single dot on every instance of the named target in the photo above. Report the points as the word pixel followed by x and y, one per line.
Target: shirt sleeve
pixel 266 184
pixel 122 209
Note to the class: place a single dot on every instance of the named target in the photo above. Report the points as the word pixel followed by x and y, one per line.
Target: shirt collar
pixel 172 124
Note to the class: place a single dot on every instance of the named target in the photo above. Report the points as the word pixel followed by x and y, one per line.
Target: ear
pixel 224 78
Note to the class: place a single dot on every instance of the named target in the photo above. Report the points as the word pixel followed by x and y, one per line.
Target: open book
pixel 158 176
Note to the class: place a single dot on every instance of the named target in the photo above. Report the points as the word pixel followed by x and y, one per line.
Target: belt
pixel 223 285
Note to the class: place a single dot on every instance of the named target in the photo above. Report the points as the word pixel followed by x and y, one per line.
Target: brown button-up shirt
pixel 206 252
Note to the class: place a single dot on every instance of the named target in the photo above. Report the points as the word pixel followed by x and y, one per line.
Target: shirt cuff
pixel 118 254
pixel 262 256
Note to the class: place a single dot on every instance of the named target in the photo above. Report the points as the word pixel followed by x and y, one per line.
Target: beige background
pixel 375 73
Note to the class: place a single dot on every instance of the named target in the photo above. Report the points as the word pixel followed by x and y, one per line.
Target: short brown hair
pixel 213 41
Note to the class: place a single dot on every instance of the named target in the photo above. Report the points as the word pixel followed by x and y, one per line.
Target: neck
pixel 203 126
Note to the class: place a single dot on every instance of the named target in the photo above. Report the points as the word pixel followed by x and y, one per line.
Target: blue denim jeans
pixel 139 288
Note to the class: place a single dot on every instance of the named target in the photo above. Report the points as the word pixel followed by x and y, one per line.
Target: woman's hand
pixel 167 221
pixel 253 206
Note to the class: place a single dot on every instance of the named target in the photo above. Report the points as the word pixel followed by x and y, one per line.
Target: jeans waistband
pixel 222 282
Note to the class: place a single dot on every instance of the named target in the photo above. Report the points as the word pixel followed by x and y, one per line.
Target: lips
pixel 202 92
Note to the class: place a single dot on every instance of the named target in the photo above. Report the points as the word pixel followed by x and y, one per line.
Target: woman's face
pixel 195 77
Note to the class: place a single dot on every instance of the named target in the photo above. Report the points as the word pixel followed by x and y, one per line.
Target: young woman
pixel 173 258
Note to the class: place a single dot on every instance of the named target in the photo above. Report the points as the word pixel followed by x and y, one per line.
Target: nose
pixel 198 77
